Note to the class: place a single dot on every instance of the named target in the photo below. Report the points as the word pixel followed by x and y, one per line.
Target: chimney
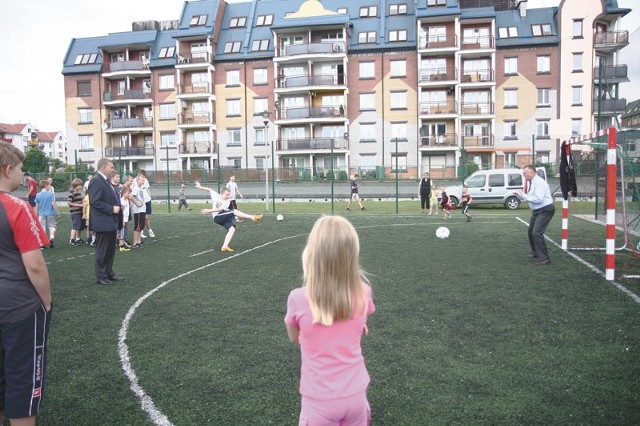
pixel 522 7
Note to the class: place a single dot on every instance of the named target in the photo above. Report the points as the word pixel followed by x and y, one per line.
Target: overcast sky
pixel 35 36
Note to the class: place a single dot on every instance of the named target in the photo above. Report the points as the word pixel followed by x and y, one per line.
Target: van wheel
pixel 453 200
pixel 512 203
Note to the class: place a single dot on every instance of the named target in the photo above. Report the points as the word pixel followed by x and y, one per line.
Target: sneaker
pixel 348 209
pixel 79 241
pixel 362 208
pixel 151 234
pixel 256 218
pixel 137 246
pixel 227 249
pixel 72 243
pixel 51 243
pixel 125 245
pixel 142 235
pixel 123 248
pixel 469 219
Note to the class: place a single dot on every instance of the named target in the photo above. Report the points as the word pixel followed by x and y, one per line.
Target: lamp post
pixel 273 159
pixel 265 116
pixel 397 171
pixel 168 180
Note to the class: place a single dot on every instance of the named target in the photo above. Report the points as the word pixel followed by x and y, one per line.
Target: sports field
pixel 467 329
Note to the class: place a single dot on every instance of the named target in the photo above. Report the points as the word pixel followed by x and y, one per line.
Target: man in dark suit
pixel 105 219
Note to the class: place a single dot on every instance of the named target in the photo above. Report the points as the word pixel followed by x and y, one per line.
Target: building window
pixel 342 10
pixel 399 132
pixel 233 107
pixel 238 22
pixel 397 35
pixel 544 64
pixel 167 82
pixel 508 32
pixel 234 162
pixel 85 116
pixel 369 11
pixel 233 136
pixel 541 30
pixel 398 9
pixel 84 88
pixel 400 160
pixel 233 78
pixel 168 111
pixel 86 58
pixel 576 95
pixel 232 47
pixel 367 101
pixel 259 45
pixel 367 132
pixel 260 105
pixel 261 136
pixel 399 100
pixel 167 139
pixel 436 2
pixel 577 62
pixel 367 70
pixel 577 28
pixel 367 37
pixel 264 21
pixel 543 97
pixel 259 76
pixel 511 66
pixel 576 127
pixel 542 129
pixel 399 68
pixel 86 142
pixel 198 20
pixel 510 98
pixel 510 131
pixel 167 52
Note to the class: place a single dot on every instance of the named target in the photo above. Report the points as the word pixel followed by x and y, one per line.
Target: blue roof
pixel 425 11
pixel 197 8
pixel 164 39
pixel 80 46
pixel 146 37
pixel 478 12
pixel 512 18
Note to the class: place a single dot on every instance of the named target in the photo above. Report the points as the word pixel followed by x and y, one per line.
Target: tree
pixel 35 161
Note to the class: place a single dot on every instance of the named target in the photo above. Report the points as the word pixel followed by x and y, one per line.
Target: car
pixel 494 186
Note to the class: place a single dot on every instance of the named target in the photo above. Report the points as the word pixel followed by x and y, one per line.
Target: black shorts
pixel 76 221
pixel 224 219
pixel 148 208
pixel 138 221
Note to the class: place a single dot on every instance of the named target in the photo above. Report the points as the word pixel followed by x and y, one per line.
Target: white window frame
pixel 510 98
pixel 577 57
pixel 167 139
pixel 511 65
pixel 167 111
pixel 399 100
pixel 367 70
pixel 85 116
pixel 398 68
pixel 167 82
pixel 543 64
pixel 576 95
pixel 85 142
pixel 260 76
pixel 234 137
pixel 367 132
pixel 367 101
pixel 233 107
pixel 510 130
pixel 233 78
pixel 543 96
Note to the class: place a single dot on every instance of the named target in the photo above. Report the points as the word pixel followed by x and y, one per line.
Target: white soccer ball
pixel 279 218
pixel 442 232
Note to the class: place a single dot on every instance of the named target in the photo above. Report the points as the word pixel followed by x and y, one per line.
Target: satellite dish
pixel 104 126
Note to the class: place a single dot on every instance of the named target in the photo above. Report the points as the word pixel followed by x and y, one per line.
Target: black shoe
pixel 544 262
pixel 362 208
pixel 116 278
pixel 72 243
pixel 532 256
pixel 348 209
pixel 51 244
pixel 79 241
pixel 103 282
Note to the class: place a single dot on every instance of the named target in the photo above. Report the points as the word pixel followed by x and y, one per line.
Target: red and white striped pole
pixel 565 223
pixel 610 262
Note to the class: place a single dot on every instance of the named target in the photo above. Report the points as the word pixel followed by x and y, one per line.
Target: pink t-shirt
pixel 332 362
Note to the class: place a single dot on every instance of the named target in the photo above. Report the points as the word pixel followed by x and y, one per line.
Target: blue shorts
pixel 24 347
pixel 224 219
pixel 76 221
pixel 148 207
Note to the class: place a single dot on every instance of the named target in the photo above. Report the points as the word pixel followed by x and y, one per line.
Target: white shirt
pixel 138 195
pixel 217 202
pixel 232 187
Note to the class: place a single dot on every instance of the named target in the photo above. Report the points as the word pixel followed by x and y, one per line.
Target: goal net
pixel 601 206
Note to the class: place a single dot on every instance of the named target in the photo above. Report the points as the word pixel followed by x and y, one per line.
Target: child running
pixel 444 203
pixel 465 200
pixel 223 214
pixel 327 318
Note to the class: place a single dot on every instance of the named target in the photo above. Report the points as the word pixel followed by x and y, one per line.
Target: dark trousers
pixel 537 226
pixel 105 253
pixel 424 198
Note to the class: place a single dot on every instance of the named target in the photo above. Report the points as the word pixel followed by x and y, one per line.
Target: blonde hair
pixel 332 274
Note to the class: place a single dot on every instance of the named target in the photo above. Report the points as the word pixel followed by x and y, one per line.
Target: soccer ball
pixel 279 218
pixel 442 232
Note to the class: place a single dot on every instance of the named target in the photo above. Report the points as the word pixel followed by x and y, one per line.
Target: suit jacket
pixel 102 199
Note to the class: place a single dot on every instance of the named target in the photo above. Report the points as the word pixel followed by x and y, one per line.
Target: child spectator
pixel 433 201
pixel 139 210
pixel 465 200
pixel 125 199
pixel 74 201
pixel 182 198
pixel 47 210
pixel 86 208
pixel 445 204
pixel 327 318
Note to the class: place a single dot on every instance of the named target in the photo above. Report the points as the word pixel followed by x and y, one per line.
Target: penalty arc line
pixel 619 286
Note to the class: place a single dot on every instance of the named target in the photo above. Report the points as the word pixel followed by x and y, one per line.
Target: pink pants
pixel 351 411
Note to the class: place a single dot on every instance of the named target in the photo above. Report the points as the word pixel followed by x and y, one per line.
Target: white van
pixel 494 187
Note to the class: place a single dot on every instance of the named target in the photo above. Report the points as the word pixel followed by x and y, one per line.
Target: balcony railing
pixel 197 148
pixel 445 139
pixel 194 88
pixel 310 112
pixel 611 72
pixel 479 42
pixel 128 151
pixel 475 108
pixel 478 141
pixel 611 39
pixel 477 76
pixel 196 118
pixel 436 41
pixel 311 143
pixel 121 123
pixel 194 58
pixel 609 106
pixel 437 74
pixel 309 80
pixel 312 49
pixel 435 107
pixel 128 66
pixel 127 95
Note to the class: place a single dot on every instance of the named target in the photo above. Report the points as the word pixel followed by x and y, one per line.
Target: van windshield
pixel 476 181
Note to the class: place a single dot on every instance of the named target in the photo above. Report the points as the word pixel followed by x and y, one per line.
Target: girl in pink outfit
pixel 327 318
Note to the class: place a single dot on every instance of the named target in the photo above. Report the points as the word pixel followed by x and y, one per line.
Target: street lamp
pixel 265 116
pixel 397 172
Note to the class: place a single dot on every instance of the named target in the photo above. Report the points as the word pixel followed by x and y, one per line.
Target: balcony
pixel 127 96
pixel 129 151
pixel 610 106
pixel 129 123
pixel 477 76
pixel 310 112
pixel 611 74
pixel 436 41
pixel 610 40
pixel 478 141
pixel 437 74
pixel 196 148
pixel 203 118
pixel 309 80
pixel 481 42
pixel 196 88
pixel 195 58
pixel 476 108
pixel 307 144
pixel 444 107
pixel 438 141
pixel 126 68
pixel 312 49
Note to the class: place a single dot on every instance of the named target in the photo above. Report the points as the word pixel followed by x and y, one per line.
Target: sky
pixel 36 34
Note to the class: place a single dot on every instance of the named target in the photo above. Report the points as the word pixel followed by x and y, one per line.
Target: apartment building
pixel 318 86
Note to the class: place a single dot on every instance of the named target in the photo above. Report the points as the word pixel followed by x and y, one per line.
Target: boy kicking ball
pixel 223 215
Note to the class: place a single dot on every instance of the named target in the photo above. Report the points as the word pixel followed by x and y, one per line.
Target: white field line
pixel 619 286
